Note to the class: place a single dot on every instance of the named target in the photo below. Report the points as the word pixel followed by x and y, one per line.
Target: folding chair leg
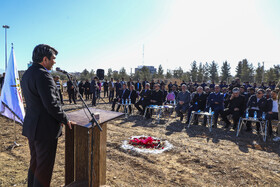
pixel 159 114
pixel 145 111
pixel 210 124
pixel 239 126
pixel 190 121
pixel 265 131
pixel 125 111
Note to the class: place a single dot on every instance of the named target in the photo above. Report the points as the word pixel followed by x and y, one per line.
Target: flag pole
pixel 15 134
pixel 15 128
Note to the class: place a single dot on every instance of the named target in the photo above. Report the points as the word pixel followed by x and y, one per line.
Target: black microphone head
pixel 57 69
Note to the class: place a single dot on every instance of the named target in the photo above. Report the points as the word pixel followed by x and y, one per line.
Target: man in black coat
pixel 93 89
pixel 71 91
pixel 236 107
pixel 81 88
pixel 156 98
pixel 257 103
pixel 197 103
pixel 105 88
pixel 118 86
pixel 44 116
pixel 87 89
pixel 132 96
pixel 145 99
pixel 121 96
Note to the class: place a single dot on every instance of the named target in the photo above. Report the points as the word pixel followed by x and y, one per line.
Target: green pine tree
pixel 225 71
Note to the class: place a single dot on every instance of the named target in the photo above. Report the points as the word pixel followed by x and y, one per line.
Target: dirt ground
pixel 199 158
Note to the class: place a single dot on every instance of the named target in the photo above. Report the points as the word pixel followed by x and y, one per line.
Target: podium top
pixel 81 118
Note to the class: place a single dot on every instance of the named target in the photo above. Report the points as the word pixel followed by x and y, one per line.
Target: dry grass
pixel 199 158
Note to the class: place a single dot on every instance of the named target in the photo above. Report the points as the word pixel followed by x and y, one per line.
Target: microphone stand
pixel 92 122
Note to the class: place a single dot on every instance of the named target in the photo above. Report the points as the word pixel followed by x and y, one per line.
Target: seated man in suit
pixel 183 99
pixel 257 103
pixel 121 97
pixel 197 103
pixel 156 98
pixel 145 99
pixel 215 101
pixel 236 107
pixel 273 113
pixel 132 96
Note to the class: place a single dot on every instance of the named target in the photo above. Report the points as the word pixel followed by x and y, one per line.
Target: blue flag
pixel 11 102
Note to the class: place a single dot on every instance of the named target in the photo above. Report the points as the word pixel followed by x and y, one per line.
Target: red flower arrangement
pixel 146 143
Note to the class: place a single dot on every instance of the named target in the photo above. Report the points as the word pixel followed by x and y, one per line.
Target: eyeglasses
pixel 259 93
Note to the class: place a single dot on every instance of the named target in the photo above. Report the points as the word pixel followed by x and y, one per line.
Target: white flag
pixel 11 102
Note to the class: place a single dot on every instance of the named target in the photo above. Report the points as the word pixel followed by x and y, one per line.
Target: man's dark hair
pixel 41 51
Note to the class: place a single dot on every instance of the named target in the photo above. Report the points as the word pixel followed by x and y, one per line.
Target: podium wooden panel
pixel 78 148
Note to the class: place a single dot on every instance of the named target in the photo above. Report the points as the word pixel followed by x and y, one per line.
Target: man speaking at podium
pixel 44 116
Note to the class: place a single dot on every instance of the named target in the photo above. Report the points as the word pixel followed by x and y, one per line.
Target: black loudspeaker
pixel 100 74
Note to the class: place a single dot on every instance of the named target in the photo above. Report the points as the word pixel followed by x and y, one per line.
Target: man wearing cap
pixel 236 107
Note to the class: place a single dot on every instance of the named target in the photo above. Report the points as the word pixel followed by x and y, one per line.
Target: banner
pixel 11 101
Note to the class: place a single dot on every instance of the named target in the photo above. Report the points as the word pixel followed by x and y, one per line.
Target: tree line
pixel 198 72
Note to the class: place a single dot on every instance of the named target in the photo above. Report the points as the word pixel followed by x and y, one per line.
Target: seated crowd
pixel 225 101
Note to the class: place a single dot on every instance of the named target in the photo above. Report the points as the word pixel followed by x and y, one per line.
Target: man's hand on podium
pixel 70 123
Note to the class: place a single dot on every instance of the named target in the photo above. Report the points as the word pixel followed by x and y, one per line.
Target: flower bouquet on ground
pixel 146 144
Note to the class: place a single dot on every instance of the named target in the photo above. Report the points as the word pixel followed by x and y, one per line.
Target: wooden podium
pixel 78 148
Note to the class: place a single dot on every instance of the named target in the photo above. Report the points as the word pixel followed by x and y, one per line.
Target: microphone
pixel 60 70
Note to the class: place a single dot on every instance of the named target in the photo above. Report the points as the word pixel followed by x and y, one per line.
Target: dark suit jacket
pixel 123 94
pixel 199 101
pixel 69 86
pixel 212 98
pixel 92 87
pixel 145 95
pixel 263 104
pixel 43 109
pixel 87 86
pixel 132 95
pixel 118 86
pixel 157 96
pixel 238 102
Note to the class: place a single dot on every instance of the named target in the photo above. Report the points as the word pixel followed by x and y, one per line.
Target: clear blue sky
pixel 110 33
